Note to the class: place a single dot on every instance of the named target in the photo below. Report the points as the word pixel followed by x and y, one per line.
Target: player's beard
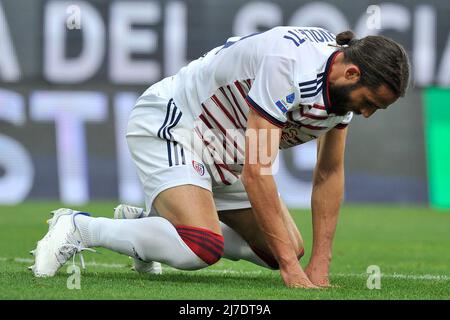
pixel 340 98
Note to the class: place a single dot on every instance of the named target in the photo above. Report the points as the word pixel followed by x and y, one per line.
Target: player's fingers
pixel 302 285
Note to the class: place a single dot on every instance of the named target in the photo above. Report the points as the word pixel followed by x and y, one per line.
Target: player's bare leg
pixel 188 205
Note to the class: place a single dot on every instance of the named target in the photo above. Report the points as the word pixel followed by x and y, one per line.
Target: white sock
pixel 237 248
pixel 149 239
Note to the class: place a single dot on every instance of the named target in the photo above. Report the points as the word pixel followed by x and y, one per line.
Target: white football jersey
pixel 282 74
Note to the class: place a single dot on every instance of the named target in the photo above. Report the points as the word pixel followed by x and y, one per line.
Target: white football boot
pixel 123 211
pixel 62 241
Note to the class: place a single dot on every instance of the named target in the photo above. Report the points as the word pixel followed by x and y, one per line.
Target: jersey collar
pixel 325 91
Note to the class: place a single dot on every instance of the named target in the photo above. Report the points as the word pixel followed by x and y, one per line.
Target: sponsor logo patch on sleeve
pixel 290 98
pixel 283 104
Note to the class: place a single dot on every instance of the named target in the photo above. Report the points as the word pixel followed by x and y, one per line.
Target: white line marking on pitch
pixel 430 277
pixel 435 277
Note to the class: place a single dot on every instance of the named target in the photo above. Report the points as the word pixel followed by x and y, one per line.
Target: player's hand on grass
pixel 296 278
pixel 318 275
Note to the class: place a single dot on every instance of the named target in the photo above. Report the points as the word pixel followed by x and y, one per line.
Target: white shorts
pixel 155 136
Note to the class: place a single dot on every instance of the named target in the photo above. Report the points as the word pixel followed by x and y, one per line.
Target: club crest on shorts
pixel 200 168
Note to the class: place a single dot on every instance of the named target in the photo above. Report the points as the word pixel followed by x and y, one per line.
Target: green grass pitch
pixel 410 245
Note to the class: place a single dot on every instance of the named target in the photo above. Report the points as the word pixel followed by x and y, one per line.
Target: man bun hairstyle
pixel 344 38
pixel 381 60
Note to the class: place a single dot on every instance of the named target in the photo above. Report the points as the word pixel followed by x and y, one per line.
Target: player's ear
pixel 352 73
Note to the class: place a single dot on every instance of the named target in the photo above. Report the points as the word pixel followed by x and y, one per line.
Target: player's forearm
pixel 263 196
pixel 328 191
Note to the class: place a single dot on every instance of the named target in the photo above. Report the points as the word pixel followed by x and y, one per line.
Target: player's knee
pixel 300 253
pixel 269 259
pixel 207 245
pixel 300 250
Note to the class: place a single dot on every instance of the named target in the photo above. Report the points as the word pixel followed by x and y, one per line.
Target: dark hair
pixel 380 59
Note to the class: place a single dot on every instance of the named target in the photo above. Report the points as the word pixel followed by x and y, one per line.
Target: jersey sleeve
pixel 273 92
pixel 345 122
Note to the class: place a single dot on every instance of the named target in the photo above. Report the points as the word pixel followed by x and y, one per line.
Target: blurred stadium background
pixel 70 72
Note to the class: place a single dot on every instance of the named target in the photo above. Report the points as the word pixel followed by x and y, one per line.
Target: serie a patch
pixel 283 104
